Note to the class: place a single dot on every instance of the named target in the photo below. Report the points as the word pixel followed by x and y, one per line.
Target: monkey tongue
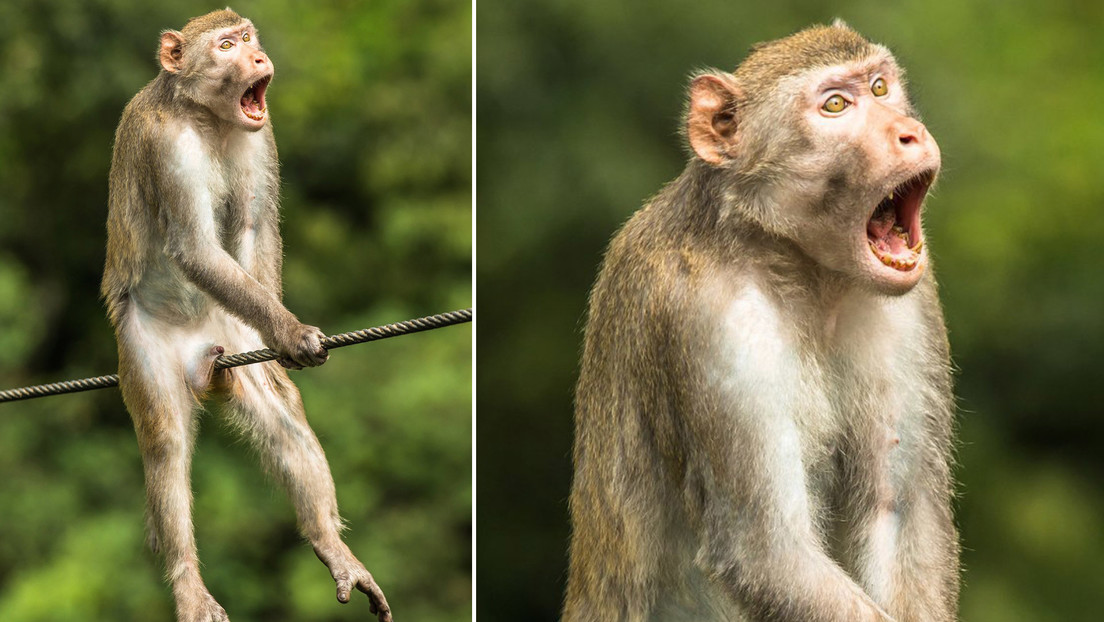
pixel 889 243
pixel 887 235
pixel 879 230
pixel 891 240
pixel 250 104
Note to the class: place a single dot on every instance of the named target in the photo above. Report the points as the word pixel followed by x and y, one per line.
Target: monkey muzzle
pixel 893 231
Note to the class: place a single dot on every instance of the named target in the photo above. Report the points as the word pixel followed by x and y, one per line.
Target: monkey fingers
pixel 288 363
pixel 311 353
pixel 315 359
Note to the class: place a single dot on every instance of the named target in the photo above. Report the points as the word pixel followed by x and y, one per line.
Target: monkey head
pixel 219 64
pixel 815 140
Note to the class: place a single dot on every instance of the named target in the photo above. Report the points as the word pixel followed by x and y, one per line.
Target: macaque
pixel 193 270
pixel 763 418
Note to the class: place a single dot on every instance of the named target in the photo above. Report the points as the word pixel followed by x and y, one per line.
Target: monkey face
pixel 829 156
pixel 838 163
pixel 246 71
pixel 880 162
pixel 227 72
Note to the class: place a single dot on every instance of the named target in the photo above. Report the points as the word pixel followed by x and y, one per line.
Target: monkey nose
pixel 912 134
pixel 913 142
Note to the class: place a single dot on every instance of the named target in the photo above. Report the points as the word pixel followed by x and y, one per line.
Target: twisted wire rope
pixel 374 333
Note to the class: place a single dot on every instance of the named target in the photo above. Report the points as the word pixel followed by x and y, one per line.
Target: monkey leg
pixel 264 403
pixel 158 391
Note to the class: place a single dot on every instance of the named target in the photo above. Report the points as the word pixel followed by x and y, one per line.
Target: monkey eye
pixel 879 88
pixel 835 104
pixel 245 37
pixel 226 45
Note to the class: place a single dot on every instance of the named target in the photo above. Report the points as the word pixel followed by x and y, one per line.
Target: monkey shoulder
pixel 147 135
pixel 646 269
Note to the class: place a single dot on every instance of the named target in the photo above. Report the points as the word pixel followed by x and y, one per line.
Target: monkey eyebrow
pixel 857 77
pixel 846 83
pixel 237 32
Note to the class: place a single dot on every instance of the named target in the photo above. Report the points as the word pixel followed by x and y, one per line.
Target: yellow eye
pixel 879 87
pixel 226 45
pixel 245 37
pixel 835 103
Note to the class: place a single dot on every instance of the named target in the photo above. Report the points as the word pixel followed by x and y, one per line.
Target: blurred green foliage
pixel 579 107
pixel 372 109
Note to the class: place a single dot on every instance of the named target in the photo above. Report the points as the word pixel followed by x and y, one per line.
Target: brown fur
pixel 763 432
pixel 193 266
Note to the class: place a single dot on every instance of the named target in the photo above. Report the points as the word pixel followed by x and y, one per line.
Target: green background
pixel 372 109
pixel 577 123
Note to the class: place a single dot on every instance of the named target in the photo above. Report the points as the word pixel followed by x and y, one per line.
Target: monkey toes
pixel 349 573
pixel 201 609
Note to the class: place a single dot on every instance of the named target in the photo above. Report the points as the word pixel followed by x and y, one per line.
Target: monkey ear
pixel 711 123
pixel 171 54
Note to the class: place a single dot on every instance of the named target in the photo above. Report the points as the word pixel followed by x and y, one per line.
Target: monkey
pixel 764 409
pixel 193 269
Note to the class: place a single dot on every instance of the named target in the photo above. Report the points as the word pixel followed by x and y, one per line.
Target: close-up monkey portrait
pixel 763 414
pixel 218 497
pixel 788 327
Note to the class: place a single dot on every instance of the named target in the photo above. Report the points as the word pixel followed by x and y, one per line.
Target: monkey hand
pixel 300 346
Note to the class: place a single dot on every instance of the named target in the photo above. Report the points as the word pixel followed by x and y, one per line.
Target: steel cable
pixel 375 333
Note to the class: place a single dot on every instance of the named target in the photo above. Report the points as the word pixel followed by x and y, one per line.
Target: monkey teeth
pixel 891 243
pixel 903 263
pixel 904 259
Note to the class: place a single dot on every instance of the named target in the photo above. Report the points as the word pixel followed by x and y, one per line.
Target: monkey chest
pixel 238 209
pixel 860 428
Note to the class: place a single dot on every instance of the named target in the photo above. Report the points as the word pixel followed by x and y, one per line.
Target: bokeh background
pixel 577 121
pixel 372 109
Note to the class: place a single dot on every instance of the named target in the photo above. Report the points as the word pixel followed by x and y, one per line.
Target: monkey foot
pixel 349 573
pixel 199 608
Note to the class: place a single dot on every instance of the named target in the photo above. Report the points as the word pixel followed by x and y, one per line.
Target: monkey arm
pixel 215 272
pixel 908 556
pixel 926 585
pixel 926 568
pixel 270 246
pixel 770 560
pixel 192 242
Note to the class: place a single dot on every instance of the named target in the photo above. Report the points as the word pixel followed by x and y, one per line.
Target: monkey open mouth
pixel 893 230
pixel 253 102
